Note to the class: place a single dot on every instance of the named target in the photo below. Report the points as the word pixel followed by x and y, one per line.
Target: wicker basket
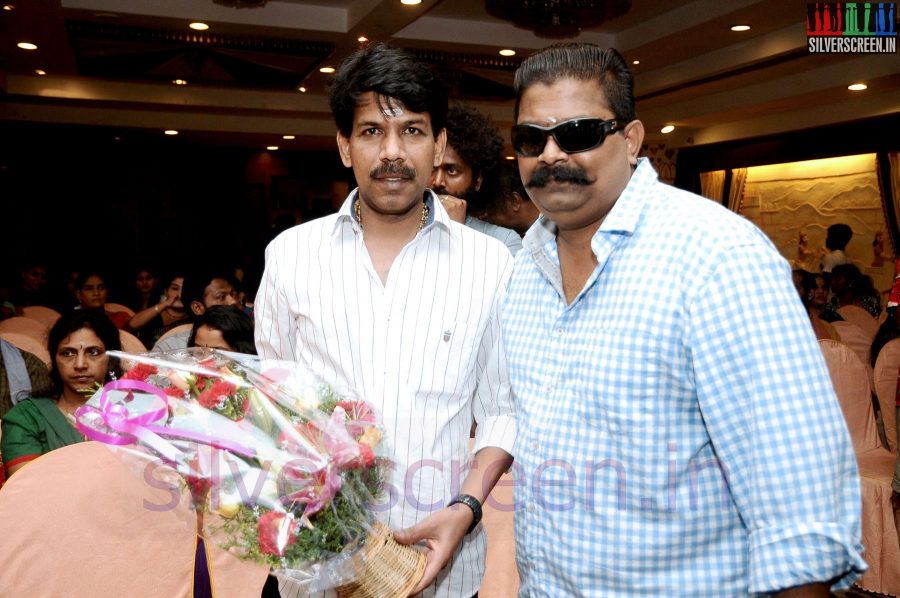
pixel 387 569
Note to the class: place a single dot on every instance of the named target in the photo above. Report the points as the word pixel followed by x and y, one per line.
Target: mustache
pixel 561 174
pixel 393 169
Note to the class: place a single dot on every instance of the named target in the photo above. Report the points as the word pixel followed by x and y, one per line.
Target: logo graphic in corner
pixel 851 27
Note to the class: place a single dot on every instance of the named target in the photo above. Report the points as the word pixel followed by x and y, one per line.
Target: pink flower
pixel 360 416
pixel 276 533
pixel 216 393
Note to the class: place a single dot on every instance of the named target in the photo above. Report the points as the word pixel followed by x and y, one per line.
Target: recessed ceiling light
pixel 301 89
pixel 667 129
pixel 288 137
pixel 198 26
pixel 362 39
pixel 507 52
pixel 857 87
pixel 272 148
pixel 510 157
pixel 179 81
pixel 740 27
pixel 635 62
pixel 327 70
pixel 41 72
pixel 410 2
pixel 27 46
pixel 9 6
pixel 171 132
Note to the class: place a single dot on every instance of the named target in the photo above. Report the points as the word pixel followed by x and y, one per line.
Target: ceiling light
pixel 198 26
pixel 41 72
pixel 510 157
pixel 362 39
pixel 301 89
pixel 667 129
pixel 271 148
pixel 507 52
pixel 288 137
pixel 740 27
pixel 179 81
pixel 410 2
pixel 327 70
pixel 857 87
pixel 171 132
pixel 635 62
pixel 27 46
pixel 8 6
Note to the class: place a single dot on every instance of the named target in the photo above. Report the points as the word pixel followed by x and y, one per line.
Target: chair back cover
pixel 131 343
pixel 114 307
pixel 857 315
pixel 887 367
pixel 26 326
pixel 80 522
pixel 850 379
pixel 39 313
pixel 176 330
pixel 29 344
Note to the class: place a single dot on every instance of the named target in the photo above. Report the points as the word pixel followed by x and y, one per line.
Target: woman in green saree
pixel 78 343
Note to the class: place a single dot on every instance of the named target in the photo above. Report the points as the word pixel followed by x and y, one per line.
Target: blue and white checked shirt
pixel 686 358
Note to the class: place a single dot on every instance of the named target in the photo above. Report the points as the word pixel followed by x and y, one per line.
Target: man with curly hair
pixel 468 178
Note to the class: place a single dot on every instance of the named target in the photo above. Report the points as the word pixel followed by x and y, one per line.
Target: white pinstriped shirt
pixel 424 348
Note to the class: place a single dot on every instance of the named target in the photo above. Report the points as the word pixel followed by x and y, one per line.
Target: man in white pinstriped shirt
pixel 392 299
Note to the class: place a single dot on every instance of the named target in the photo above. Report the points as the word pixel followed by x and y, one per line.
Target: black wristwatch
pixel 471 502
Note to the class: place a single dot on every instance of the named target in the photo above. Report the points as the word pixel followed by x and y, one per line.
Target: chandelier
pixel 242 3
pixel 557 18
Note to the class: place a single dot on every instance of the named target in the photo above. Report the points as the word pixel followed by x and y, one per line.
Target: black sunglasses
pixel 572 136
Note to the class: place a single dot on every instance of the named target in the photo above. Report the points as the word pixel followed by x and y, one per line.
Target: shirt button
pixel 560 332
pixel 548 389
pixel 531 508
pixel 536 446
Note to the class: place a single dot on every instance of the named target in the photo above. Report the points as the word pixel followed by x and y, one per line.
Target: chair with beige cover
pixel 29 344
pixel 26 326
pixel 177 330
pixel 886 369
pixel 876 467
pixel 39 313
pixel 857 315
pixel 859 340
pixel 131 343
pixel 79 522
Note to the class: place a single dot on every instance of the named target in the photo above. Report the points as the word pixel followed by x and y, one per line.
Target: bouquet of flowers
pixel 282 469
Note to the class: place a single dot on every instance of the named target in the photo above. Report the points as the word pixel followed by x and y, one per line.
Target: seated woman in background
pixel 813 294
pixel 224 327
pixel 849 286
pixel 157 319
pixel 78 343
pixel 143 292
pixel 92 293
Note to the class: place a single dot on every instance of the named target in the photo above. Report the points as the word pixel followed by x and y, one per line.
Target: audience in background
pixel 78 343
pixel 22 375
pixel 849 286
pixel 201 290
pixel 155 320
pixel 836 239
pixel 813 294
pixel 224 327
pixel 92 293
pixel 144 292
pixel 513 209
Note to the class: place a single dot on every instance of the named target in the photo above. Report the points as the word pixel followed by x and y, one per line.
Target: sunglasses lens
pixel 580 135
pixel 528 141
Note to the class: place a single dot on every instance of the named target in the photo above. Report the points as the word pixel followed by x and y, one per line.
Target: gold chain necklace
pixel 421 221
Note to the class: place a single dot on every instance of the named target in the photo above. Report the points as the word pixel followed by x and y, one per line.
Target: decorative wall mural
pixel 663 160
pixel 794 203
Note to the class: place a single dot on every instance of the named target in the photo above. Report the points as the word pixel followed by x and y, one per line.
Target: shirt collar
pixel 437 215
pixel 622 218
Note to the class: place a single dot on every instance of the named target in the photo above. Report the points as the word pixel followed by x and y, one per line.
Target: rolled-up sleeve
pixel 774 421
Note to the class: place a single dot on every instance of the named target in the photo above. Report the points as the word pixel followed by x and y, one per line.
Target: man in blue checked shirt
pixel 678 431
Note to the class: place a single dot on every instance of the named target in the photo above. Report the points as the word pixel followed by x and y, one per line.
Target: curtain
pixel 712 185
pixel 894 184
pixel 736 191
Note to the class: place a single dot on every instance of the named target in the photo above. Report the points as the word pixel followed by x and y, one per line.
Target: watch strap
pixel 471 502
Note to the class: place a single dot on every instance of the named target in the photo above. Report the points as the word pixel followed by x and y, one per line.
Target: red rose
pixel 141 371
pixel 270 528
pixel 216 393
pixel 174 391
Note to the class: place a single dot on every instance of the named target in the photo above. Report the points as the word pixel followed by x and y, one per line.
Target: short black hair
pixel 392 74
pixel 236 327
pixel 584 62
pixel 195 283
pixel 74 321
pixel 83 275
pixel 837 236
pixel 473 136
pixel 511 181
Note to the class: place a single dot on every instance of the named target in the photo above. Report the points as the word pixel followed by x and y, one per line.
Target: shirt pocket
pixel 448 359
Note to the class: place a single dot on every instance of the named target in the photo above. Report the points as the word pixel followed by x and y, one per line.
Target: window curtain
pixel 712 185
pixel 894 185
pixel 736 190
